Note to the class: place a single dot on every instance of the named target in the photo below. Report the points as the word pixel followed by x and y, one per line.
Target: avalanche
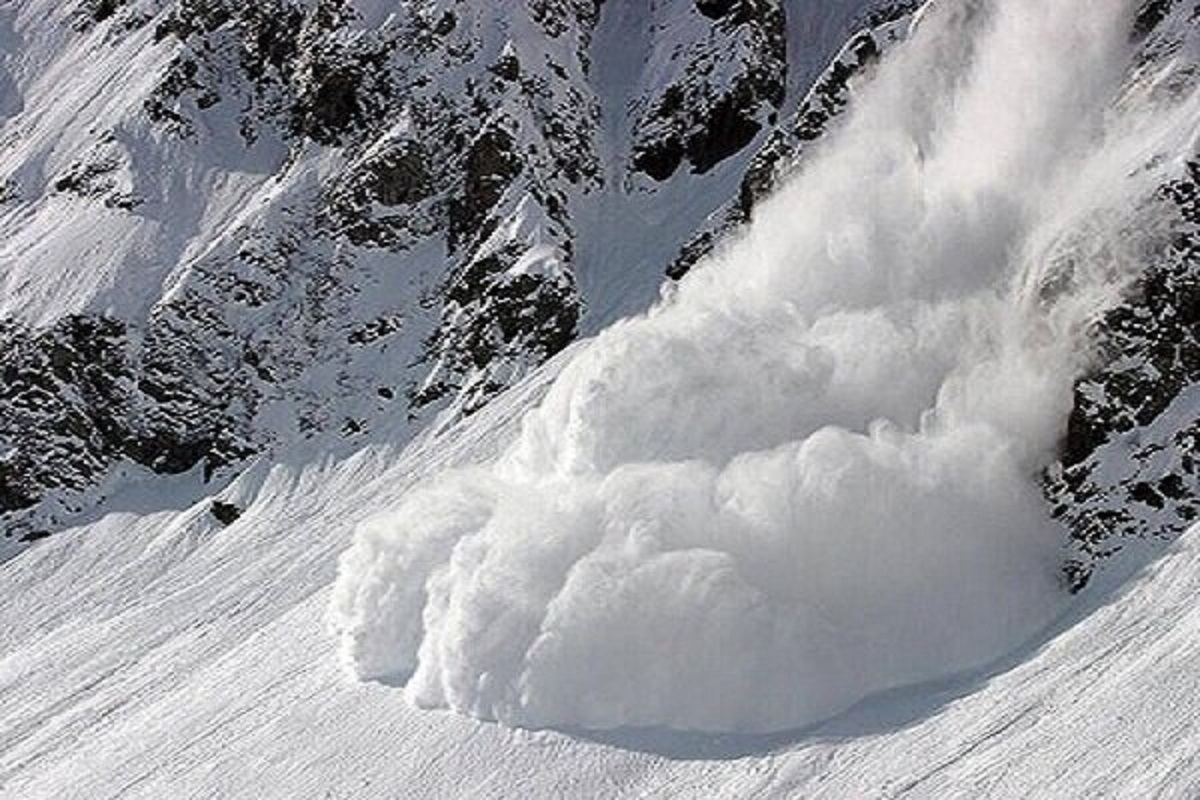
pixel 809 474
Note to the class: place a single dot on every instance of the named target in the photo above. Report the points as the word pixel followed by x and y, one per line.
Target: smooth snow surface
pixel 809 475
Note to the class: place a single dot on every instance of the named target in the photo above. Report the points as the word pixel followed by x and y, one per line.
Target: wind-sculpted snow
pixel 811 472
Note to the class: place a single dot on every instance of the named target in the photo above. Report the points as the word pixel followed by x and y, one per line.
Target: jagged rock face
pixel 328 215
pixel 1131 462
pixel 64 402
pixel 324 216
pixel 296 66
pixel 519 314
pixel 828 97
pixel 1150 15
pixel 726 84
pixel 1131 458
pixel 271 322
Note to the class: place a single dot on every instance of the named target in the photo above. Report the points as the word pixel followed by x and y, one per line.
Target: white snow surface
pixel 809 474
pixel 156 654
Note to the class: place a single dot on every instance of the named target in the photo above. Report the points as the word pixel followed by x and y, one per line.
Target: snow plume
pixel 810 473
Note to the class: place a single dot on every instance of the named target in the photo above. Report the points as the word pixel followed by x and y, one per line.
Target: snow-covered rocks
pixel 719 73
pixel 1130 455
pixel 313 218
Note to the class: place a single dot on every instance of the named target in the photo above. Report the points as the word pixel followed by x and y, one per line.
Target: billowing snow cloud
pixel 810 474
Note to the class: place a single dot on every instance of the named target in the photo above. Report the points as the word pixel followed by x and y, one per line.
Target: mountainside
pixel 227 227
pixel 735 397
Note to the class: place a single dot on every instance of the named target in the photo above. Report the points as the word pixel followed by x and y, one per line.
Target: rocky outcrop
pixel 425 184
pixel 430 266
pixel 282 64
pixel 726 84
pixel 784 147
pixel 65 401
pixel 1131 458
pixel 87 392
pixel 500 322
pixel 1130 467
pixel 102 174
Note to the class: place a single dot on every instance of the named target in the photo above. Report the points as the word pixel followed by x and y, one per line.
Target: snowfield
pixel 155 654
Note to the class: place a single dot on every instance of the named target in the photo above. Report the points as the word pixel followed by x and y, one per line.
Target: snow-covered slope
pixel 159 654
pixel 268 270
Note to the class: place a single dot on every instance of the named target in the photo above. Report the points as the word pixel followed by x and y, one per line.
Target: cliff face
pixel 229 226
pixel 1130 466
pixel 226 227
pixel 1131 462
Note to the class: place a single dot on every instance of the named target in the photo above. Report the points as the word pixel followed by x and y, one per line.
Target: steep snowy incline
pixel 156 654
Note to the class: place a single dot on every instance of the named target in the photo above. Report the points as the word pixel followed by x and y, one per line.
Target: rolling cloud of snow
pixel 810 473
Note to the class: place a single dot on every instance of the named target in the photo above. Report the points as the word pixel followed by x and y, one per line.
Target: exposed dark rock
pixel 375 330
pixel 445 24
pixel 87 179
pixel 659 159
pixel 270 35
pixel 396 175
pixel 400 177
pixel 491 164
pixel 1150 15
pixel 287 64
pixel 87 392
pixel 715 9
pixel 1110 488
pixel 225 513
pixel 64 404
pixel 100 10
pixel 496 319
pixel 507 68
pixel 1151 343
pixel 161 105
pixel 338 87
pixel 716 107
pixel 557 16
pixel 191 17
pixel 827 100
pixel 730 127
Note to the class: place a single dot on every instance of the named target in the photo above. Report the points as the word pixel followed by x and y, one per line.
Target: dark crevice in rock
pixel 491 165
pixel 1149 16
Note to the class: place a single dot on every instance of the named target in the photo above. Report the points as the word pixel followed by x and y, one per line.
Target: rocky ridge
pixel 1130 468
pixel 407 245
pixel 393 221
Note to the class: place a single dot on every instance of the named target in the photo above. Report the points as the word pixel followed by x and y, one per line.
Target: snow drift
pixel 809 473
